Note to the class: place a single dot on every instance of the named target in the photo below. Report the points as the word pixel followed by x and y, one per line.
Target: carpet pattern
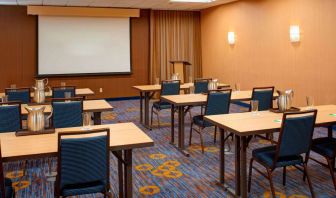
pixel 162 171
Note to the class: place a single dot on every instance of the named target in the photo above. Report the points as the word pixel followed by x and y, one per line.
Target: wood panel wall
pixel 18 56
pixel 263 54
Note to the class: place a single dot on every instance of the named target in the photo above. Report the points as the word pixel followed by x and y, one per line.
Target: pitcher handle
pixel 51 112
pixel 47 81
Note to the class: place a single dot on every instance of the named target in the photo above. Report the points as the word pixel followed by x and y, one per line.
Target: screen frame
pixel 38 75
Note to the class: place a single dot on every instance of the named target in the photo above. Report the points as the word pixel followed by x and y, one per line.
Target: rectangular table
pixel 123 138
pixel 79 92
pixel 246 124
pixel 148 91
pixel 94 106
pixel 184 100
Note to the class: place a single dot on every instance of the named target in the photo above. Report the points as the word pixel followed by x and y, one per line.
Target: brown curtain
pixel 174 35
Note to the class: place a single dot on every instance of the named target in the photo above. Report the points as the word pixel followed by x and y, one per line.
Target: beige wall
pixel 263 54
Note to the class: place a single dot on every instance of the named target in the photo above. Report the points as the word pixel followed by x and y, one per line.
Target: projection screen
pixel 83 46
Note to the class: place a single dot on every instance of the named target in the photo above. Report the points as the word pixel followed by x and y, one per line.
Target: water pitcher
pixel 36 120
pixel 41 84
pixel 285 99
pixel 175 76
pixel 213 84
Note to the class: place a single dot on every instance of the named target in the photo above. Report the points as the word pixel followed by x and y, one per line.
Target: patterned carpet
pixel 162 171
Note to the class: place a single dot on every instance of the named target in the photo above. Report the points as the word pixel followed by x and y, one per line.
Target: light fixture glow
pixel 193 1
pixel 231 38
pixel 294 33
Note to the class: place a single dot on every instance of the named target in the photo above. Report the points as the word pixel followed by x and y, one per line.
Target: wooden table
pixel 245 124
pixel 185 100
pixel 148 91
pixel 94 106
pixel 123 138
pixel 79 92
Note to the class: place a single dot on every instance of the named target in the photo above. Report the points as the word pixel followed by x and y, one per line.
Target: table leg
pixel 181 131
pixel 147 97
pixel 243 167
pixel 97 118
pixel 330 131
pixel 120 175
pixel 141 107
pixel 222 157
pixel 128 173
pixel 172 139
pixel 237 165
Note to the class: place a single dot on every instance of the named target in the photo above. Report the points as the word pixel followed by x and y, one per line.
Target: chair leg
pixel 284 176
pixel 158 119
pixel 152 116
pixel 250 175
pixel 331 169
pixel 308 178
pixel 190 136
pixel 201 137
pixel 269 173
pixel 215 135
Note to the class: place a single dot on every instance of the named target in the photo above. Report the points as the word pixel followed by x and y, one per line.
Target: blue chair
pixel 67 112
pixel 168 87
pixel 201 85
pixel 6 189
pixel 264 95
pixel 59 92
pixel 10 117
pixel 218 102
pixel 326 147
pixel 18 95
pixel 83 163
pixel 295 139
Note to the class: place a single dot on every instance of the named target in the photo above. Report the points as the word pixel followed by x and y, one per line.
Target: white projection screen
pixel 83 46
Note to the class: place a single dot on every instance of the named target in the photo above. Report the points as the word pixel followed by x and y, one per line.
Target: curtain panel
pixel 174 35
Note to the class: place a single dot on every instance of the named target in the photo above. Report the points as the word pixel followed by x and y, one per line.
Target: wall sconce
pixel 231 38
pixel 294 33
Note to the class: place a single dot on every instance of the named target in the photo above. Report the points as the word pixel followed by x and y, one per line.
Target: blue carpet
pixel 162 171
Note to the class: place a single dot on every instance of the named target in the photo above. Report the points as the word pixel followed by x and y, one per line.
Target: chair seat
pixel 325 146
pixel 91 188
pixel 199 121
pixel 266 156
pixel 161 105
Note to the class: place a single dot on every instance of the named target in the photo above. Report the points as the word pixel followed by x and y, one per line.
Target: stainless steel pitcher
pixel 36 119
pixel 285 99
pixel 175 76
pixel 213 84
pixel 40 94
pixel 41 84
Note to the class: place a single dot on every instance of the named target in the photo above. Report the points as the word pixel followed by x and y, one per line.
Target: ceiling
pixel 152 4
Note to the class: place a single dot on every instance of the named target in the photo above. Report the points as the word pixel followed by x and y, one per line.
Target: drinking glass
pixel 191 80
pixel 86 120
pixel 237 87
pixel 157 81
pixel 310 102
pixel 192 89
pixel 254 107
pixel 4 98
pixel 67 95
pixel 63 84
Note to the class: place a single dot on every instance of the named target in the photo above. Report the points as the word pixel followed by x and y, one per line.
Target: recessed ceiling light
pixel 193 1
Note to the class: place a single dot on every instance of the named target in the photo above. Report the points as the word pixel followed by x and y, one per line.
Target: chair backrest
pixel 201 85
pixel 296 133
pixel 2 177
pixel 170 87
pixel 264 95
pixel 83 158
pixel 18 94
pixel 67 112
pixel 10 117
pixel 59 92
pixel 218 102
